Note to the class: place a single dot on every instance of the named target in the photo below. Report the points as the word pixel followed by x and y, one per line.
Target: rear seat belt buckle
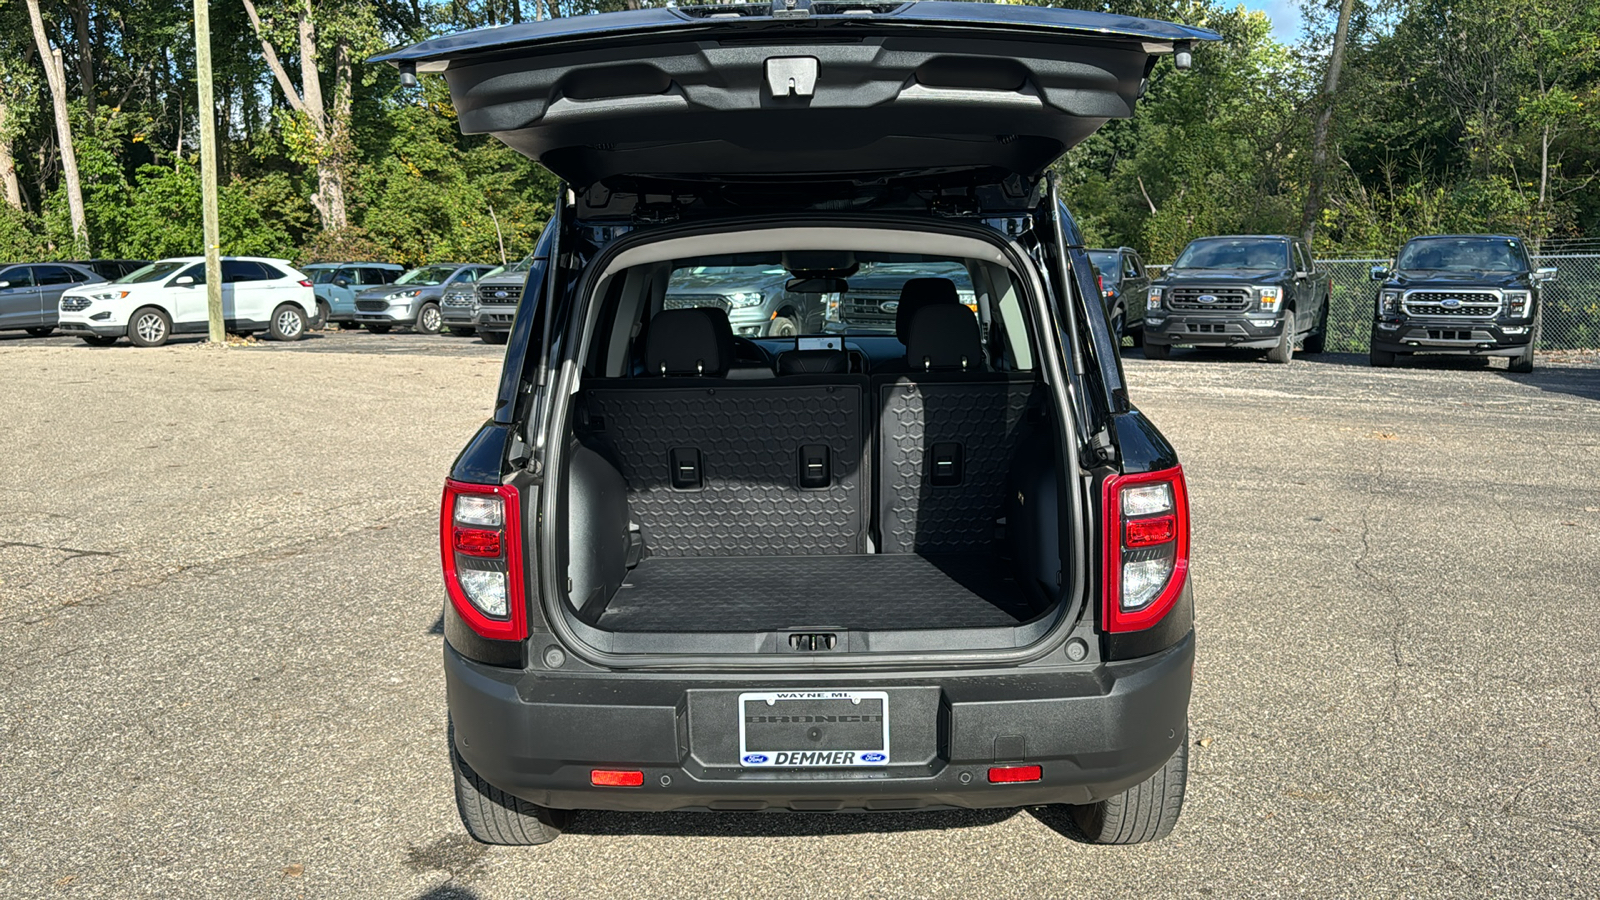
pixel 815 469
pixel 946 469
pixel 684 463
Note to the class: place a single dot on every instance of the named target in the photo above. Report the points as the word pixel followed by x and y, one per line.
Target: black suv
pixel 941 567
pixel 1459 294
pixel 1124 288
pixel 1247 291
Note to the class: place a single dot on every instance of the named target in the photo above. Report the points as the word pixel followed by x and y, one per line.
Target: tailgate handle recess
pixel 792 76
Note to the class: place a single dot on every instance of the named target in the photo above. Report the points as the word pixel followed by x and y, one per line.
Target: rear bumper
pixel 1473 338
pixel 1213 330
pixel 1093 732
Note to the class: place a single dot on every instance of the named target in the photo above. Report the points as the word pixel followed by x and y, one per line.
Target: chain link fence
pixel 1571 301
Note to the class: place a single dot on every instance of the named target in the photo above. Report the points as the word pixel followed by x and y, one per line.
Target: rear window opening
pixel 811 451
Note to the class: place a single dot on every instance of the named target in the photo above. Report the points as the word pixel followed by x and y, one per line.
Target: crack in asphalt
pixel 72 552
pixel 1384 586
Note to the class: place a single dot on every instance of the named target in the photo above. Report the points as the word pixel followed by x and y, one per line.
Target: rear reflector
pixel 1150 532
pixel 1015 774
pixel 477 542
pixel 615 778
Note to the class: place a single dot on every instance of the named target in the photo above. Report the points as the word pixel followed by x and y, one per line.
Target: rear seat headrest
pixel 917 294
pixel 944 338
pixel 813 362
pixel 693 341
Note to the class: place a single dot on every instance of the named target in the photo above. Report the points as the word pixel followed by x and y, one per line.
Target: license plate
pixel 813 729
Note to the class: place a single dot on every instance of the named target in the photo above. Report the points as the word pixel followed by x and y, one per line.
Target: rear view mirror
pixel 183 280
pixel 1379 273
pixel 1545 274
pixel 4 285
pixel 816 286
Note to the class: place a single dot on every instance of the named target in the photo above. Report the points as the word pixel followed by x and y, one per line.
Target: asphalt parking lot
pixel 219 592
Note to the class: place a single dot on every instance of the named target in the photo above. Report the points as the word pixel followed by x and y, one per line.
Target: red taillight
pixel 1147 547
pixel 480 539
pixel 616 778
pixel 305 283
pixel 1015 774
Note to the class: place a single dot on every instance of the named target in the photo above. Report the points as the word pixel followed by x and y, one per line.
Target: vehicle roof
pixel 1488 237
pixel 1246 237
pixel 201 259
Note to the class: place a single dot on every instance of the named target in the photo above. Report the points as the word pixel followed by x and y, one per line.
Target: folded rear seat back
pixel 947 435
pixel 725 467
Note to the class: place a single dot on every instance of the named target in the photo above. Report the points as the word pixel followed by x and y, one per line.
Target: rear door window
pixel 234 271
pixel 46 276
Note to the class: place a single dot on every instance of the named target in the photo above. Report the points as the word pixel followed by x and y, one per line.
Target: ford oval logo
pixel 1207 298
pixel 873 757
pixel 755 759
pixel 889 305
pixel 1450 303
pixel 501 294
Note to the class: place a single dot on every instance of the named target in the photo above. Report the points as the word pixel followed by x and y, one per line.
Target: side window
pixel 46 276
pixel 17 277
pixel 1130 268
pixel 1302 259
pixel 378 276
pixel 271 273
pixel 197 272
pixel 466 276
pixel 235 271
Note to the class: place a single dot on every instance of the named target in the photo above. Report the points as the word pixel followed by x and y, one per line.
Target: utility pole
pixel 208 168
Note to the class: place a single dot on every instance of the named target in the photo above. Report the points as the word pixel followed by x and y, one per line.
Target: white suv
pixel 168 297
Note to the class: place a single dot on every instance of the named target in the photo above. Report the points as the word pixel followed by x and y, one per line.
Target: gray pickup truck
pixel 494 302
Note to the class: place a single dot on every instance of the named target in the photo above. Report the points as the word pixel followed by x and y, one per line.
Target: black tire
pixel 1283 353
pixel 1145 812
pixel 288 323
pixel 1380 359
pixel 98 340
pixel 149 327
pixel 1119 326
pixel 1152 350
pixel 322 316
pixel 1317 340
pixel 463 330
pixel 783 326
pixel 493 816
pixel 495 337
pixel 1522 363
pixel 378 329
pixel 42 331
pixel 429 319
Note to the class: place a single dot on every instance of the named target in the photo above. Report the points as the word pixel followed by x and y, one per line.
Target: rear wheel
pixel 495 337
pixel 42 331
pixel 288 323
pixel 428 319
pixel 493 816
pixel 1317 340
pixel 98 340
pixel 1380 359
pixel 1144 812
pixel 1284 352
pixel 149 327
pixel 379 329
pixel 1153 350
pixel 322 316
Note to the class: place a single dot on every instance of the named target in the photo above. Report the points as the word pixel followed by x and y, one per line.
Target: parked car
pixel 493 303
pixel 1243 291
pixel 1124 288
pixel 945 567
pixel 1462 295
pixel 756 299
pixel 168 297
pixel 29 294
pixel 111 269
pixel 413 298
pixel 870 299
pixel 336 286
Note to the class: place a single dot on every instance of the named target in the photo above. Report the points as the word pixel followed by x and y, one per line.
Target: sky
pixel 1285 17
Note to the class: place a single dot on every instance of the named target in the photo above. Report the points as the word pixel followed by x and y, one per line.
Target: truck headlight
pixel 1518 303
pixel 744 298
pixel 1388 302
pixel 1269 298
pixel 1153 299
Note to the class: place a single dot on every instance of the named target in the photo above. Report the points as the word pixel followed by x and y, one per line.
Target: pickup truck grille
pixel 1227 299
pixel 1470 304
pixel 690 301
pixel 372 305
pixel 489 293
pixel 866 307
pixel 75 304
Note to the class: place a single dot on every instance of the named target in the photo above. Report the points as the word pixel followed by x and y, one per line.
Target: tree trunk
pixel 8 164
pixel 1319 135
pixel 80 22
pixel 69 158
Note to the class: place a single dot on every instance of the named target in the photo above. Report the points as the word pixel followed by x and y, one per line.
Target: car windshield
pixel 152 272
pixel 426 275
pixel 1462 255
pixel 1106 261
pixel 1243 253
pixel 516 268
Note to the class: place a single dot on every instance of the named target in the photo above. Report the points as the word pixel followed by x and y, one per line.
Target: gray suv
pixel 493 303
pixel 29 294
pixel 413 298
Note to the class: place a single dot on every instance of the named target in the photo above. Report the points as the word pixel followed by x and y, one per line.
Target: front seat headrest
pixel 945 337
pixel 917 294
pixel 693 341
pixel 813 362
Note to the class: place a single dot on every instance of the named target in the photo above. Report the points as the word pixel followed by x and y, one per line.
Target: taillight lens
pixel 1147 547
pixel 481 544
pixel 305 283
